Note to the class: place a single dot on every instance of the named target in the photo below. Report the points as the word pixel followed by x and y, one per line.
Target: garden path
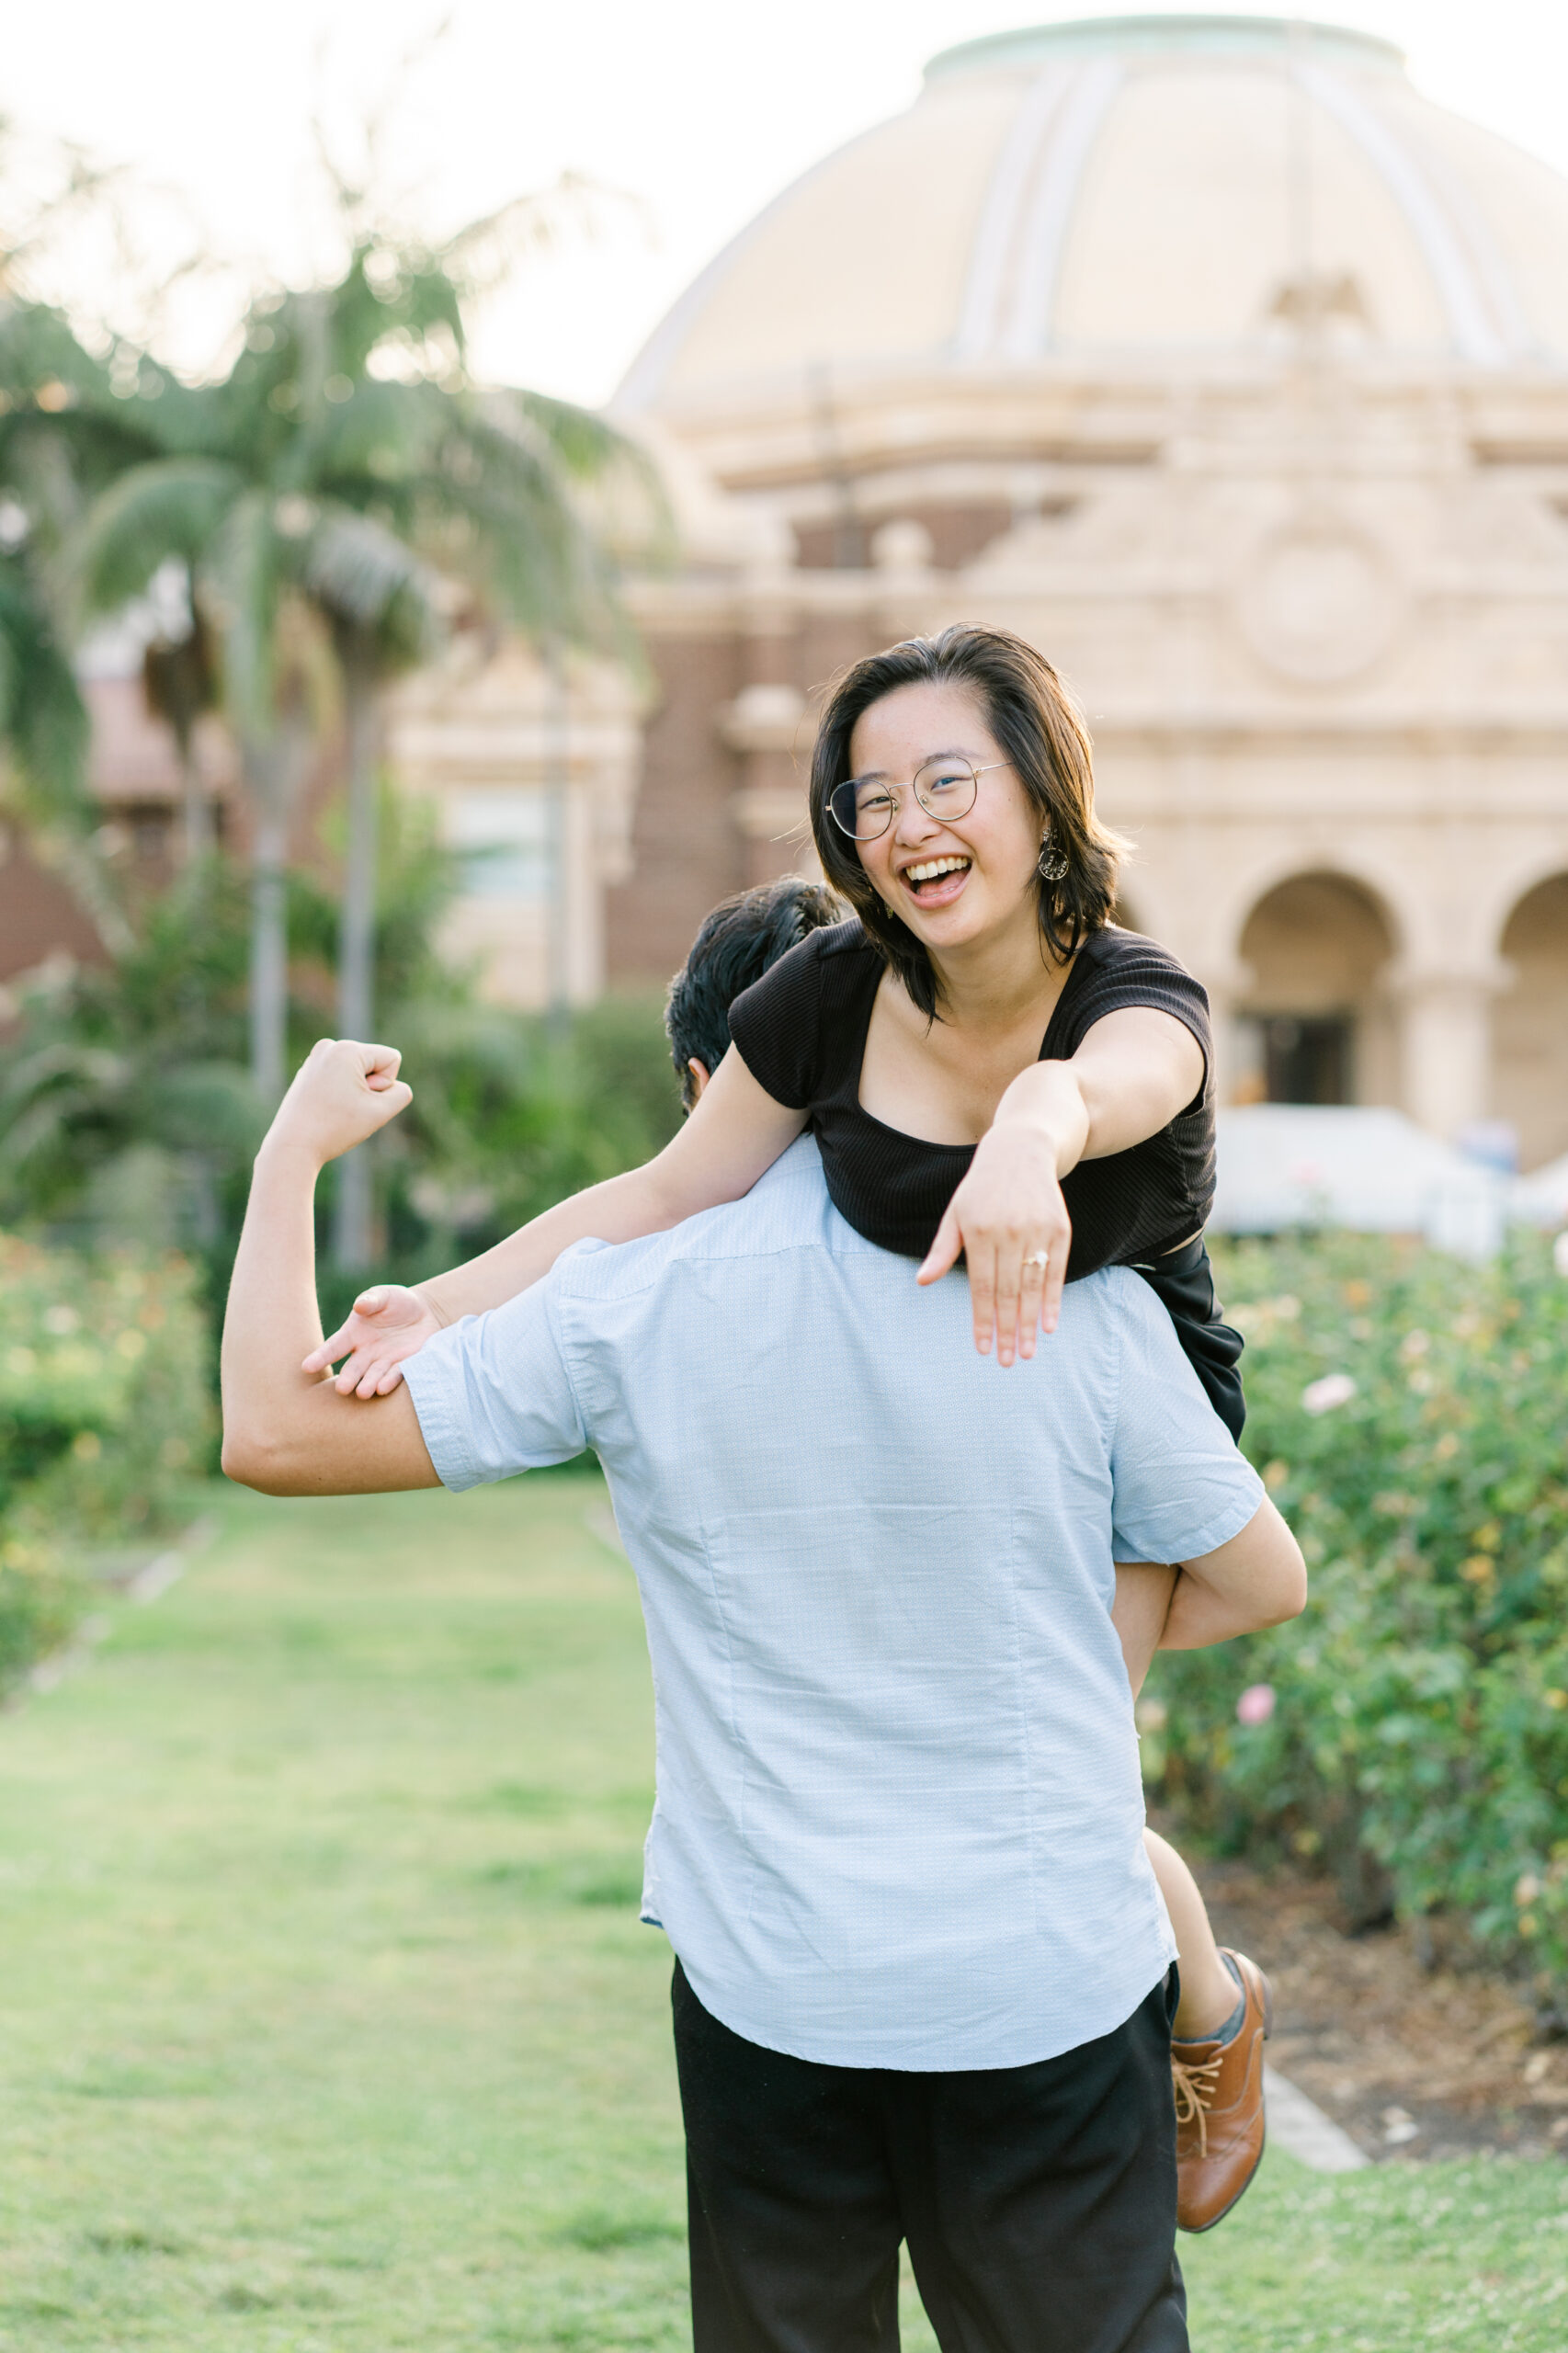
pixel 1410 2048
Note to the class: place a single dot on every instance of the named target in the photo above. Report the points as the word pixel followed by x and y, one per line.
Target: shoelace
pixel 1195 2086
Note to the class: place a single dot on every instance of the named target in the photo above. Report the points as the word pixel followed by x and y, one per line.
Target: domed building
pixel 1208 355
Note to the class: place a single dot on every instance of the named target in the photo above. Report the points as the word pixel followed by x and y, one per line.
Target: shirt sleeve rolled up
pixel 494 1394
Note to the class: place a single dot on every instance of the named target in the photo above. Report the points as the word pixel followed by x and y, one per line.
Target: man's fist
pixel 342 1093
pixel 387 1324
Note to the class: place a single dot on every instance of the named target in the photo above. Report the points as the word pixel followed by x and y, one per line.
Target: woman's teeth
pixel 933 870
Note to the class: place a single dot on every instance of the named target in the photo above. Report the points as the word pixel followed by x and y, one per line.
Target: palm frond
pixel 169 507
pixel 43 720
pixel 377 443
pixel 39 352
pixel 49 1093
pixel 98 891
pixel 243 568
pixel 368 576
pixel 205 1105
pixel 59 1063
pixel 585 443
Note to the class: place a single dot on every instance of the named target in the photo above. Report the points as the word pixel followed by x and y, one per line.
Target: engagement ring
pixel 1041 1258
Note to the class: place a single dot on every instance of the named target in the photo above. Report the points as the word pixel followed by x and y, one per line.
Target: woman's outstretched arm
pixel 734 1136
pixel 1135 1071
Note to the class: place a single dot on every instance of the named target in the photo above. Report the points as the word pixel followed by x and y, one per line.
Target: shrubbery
pixel 1410 1415
pixel 104 1415
pixel 127 1115
pixel 128 1121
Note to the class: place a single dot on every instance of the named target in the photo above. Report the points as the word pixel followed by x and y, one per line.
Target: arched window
pixel 1314 1025
pixel 1529 1026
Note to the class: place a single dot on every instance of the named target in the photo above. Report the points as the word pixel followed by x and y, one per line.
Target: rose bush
pixel 1409 1414
pixel 104 1417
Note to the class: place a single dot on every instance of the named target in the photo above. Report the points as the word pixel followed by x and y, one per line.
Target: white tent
pixel 1541 1199
pixel 1289 1165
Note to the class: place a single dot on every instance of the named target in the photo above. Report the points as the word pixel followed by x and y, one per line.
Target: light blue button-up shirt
pixel 899 1817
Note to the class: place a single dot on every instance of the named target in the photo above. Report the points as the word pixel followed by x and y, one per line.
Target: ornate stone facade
pixel 533 769
pixel 1235 376
pixel 1207 354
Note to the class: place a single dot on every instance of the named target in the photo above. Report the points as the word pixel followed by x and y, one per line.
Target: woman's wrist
pixel 1046 1100
pixel 426 1292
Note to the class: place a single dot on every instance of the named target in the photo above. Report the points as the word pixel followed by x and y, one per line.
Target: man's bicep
pixel 328 1444
pixel 370 1446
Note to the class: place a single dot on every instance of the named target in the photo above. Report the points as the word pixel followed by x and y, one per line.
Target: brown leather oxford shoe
pixel 1219 2104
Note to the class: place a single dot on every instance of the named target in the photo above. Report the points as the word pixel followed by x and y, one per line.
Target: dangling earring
pixel 1053 863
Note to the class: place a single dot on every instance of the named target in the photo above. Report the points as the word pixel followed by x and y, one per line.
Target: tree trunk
pixel 196 808
pixel 352 1214
pixel 558 786
pixel 270 926
pixel 178 683
pixel 273 767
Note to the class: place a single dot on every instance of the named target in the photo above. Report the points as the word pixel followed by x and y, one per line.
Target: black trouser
pixel 1038 2203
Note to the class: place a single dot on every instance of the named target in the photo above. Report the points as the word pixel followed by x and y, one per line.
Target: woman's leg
pixel 1222 2020
pixel 1217 2039
pixel 1208 1989
pixel 1208 1992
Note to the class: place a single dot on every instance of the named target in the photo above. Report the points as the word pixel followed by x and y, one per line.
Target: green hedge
pixel 104 1417
pixel 1412 1728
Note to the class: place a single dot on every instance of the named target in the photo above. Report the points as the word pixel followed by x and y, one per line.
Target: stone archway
pixel 1314 1023
pixel 1530 1033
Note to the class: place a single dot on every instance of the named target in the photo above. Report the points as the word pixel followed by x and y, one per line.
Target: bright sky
pixel 701 110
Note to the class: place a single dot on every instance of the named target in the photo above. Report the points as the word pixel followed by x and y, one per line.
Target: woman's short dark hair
pixel 741 939
pixel 1038 726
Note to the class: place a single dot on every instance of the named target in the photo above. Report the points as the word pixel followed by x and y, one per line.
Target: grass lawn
pixel 328 2026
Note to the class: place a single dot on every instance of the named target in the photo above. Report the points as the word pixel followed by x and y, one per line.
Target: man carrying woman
pixel 991 1066
pixel 921 1989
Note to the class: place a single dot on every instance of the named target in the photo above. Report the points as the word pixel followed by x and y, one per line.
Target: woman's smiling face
pixel 953 882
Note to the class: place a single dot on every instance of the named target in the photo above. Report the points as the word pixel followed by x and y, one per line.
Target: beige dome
pixel 1163 189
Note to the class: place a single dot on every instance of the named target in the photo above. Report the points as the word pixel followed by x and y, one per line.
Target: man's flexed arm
pixel 284 1431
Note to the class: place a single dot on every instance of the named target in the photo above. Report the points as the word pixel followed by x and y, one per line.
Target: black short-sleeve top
pixel 802 1032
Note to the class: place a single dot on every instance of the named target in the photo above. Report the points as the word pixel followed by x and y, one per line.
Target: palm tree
pixel 124 1095
pixel 348 472
pixel 196 496
pixel 179 683
pixel 72 421
pixel 63 433
pixel 43 722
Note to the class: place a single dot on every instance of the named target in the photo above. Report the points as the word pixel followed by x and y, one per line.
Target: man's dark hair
pixel 1041 730
pixel 742 938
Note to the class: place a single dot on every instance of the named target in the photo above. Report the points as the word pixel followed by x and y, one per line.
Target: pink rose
pixel 1256 1704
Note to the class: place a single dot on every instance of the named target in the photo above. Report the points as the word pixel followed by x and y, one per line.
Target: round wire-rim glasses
pixel 864 807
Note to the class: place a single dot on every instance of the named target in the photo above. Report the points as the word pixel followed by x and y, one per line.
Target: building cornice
pixel 1414 730
pixel 769 439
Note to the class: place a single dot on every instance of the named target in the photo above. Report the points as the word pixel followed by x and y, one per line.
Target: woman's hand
pixel 1010 1221
pixel 386 1325
pixel 1135 1071
pixel 1008 1217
